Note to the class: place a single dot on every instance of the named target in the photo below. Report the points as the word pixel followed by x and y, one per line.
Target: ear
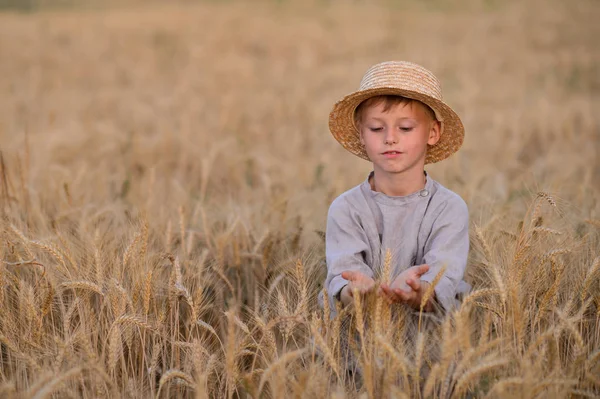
pixel 360 134
pixel 434 132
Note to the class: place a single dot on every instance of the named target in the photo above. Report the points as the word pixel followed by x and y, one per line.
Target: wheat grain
pixel 547 197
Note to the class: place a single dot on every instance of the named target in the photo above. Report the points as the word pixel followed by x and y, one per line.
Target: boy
pixel 398 121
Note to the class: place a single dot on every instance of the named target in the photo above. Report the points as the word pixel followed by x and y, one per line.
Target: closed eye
pixel 406 129
pixel 375 129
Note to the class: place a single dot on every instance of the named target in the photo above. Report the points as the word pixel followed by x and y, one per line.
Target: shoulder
pixel 347 202
pixel 446 201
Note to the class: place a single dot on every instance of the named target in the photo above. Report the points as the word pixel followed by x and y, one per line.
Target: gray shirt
pixel 430 227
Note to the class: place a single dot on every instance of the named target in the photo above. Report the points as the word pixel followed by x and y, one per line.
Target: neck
pixel 398 184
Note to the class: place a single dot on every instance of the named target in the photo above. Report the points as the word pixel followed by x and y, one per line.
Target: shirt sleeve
pixel 448 244
pixel 346 244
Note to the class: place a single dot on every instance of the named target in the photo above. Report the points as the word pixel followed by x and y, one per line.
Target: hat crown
pixel 402 75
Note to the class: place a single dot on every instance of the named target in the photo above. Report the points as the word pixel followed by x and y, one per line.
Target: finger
pixel 421 270
pixel 414 284
pixel 403 295
pixel 364 280
pixel 385 296
pixel 391 294
pixel 365 288
pixel 385 290
pixel 349 275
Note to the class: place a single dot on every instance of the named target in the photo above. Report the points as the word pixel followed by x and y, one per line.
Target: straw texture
pixel 405 79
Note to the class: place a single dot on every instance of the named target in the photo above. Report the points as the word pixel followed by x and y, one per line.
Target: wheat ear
pixel 484 367
pixel 589 278
pixel 302 307
pixel 387 267
pixel 430 290
pixel 281 362
pixel 83 285
pixel 172 374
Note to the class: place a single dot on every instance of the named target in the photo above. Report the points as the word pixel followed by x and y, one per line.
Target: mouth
pixel 391 154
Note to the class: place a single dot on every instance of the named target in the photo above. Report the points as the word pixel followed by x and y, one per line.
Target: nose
pixel 390 138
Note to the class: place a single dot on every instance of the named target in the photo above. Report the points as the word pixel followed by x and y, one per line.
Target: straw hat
pixel 403 79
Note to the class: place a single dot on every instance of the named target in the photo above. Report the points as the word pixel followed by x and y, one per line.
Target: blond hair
pixel 389 101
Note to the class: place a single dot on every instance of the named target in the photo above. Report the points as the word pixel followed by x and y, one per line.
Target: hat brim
pixel 341 123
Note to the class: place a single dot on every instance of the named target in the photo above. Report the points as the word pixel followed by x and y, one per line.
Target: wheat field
pixel 165 178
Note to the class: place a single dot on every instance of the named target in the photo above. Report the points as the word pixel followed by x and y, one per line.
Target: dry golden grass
pixel 166 172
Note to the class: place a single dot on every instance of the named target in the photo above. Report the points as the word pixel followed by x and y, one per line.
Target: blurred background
pixel 231 96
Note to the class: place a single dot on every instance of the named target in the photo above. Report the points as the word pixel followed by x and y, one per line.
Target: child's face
pixel 396 141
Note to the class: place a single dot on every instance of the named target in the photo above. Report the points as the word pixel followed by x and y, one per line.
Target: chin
pixel 393 170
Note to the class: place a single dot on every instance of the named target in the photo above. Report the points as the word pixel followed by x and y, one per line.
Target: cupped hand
pixel 357 281
pixel 407 287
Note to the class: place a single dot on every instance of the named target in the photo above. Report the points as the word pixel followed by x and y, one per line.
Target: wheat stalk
pixel 56 382
pixel 320 342
pixel 420 347
pixel 399 362
pixel 281 362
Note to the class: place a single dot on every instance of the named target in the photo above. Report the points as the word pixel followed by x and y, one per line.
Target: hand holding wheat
pixel 407 287
pixel 356 281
